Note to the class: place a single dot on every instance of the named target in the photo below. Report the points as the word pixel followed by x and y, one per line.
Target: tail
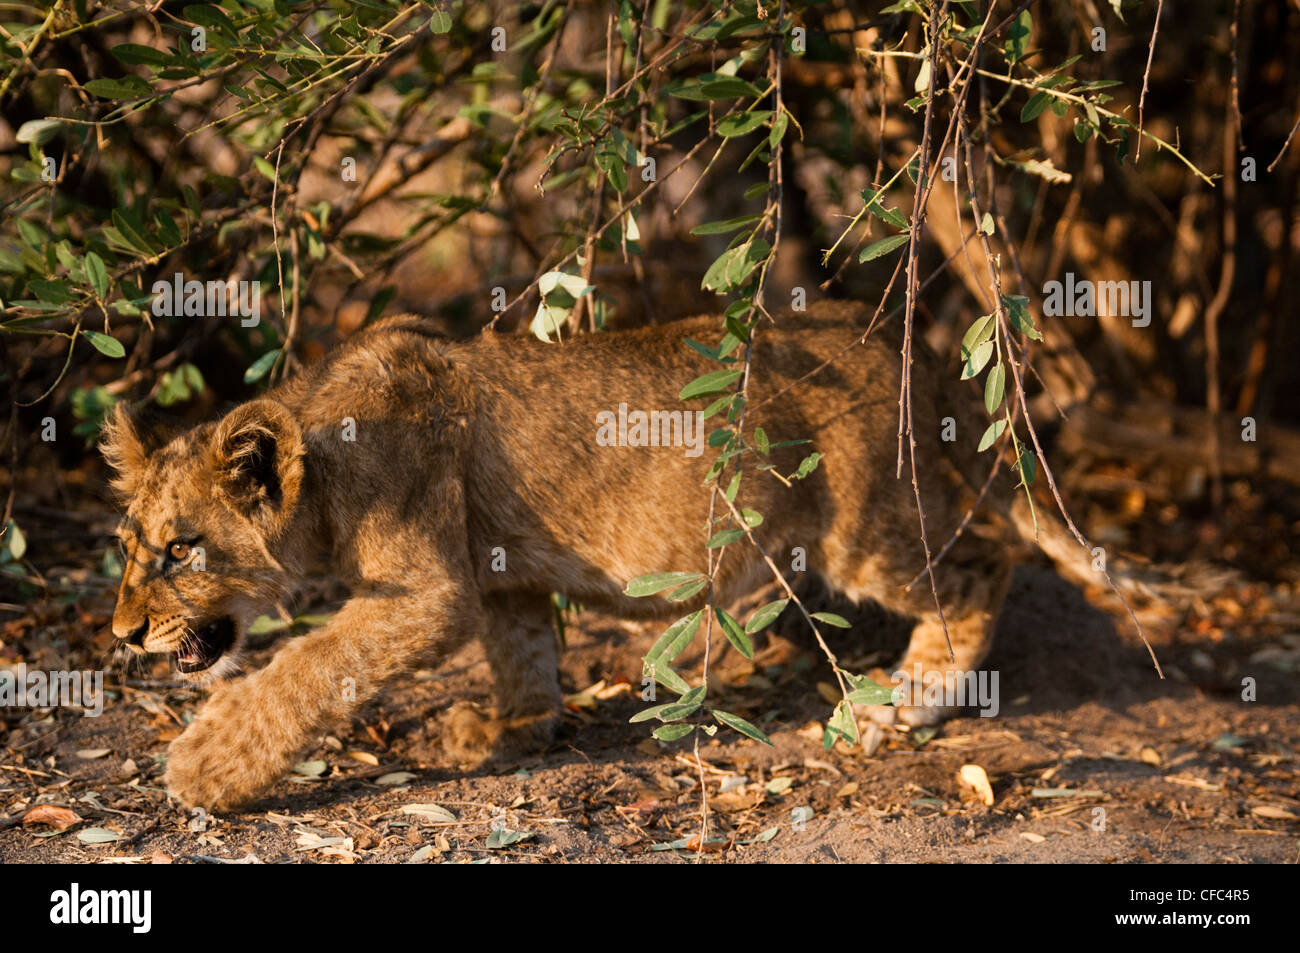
pixel 1140 584
pixel 1086 564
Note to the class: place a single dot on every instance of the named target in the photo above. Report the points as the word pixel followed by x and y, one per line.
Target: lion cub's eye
pixel 179 551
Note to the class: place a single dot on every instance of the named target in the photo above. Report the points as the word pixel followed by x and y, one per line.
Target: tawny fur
pixel 461 448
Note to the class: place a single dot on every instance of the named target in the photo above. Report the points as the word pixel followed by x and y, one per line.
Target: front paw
pixel 227 756
pixel 473 736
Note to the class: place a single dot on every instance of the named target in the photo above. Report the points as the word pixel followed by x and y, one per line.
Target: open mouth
pixel 205 645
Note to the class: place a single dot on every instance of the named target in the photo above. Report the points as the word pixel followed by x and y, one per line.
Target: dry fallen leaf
pixel 611 691
pixel 434 812
pixel 848 790
pixel 812 731
pixel 712 844
pixel 309 839
pixel 59 818
pixel 1193 782
pixel 1271 811
pixel 1150 756
pixel 872 737
pixel 98 835
pixel 1031 836
pixel 977 778
pixel 365 757
pixel 830 693
pixel 821 765
pixel 90 754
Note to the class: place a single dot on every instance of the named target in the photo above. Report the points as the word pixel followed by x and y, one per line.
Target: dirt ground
pixel 1092 759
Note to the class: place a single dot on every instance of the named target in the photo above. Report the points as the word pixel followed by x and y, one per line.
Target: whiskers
pixel 189 643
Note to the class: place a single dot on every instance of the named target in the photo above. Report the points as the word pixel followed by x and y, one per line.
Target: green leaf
pixel 672 732
pixel 979 357
pixel 211 17
pixel 685 706
pixel 648 713
pixel 1017 308
pixel 734 265
pixel 867 691
pixel 709 383
pixel 440 22
pixel 903 6
pixel 765 616
pixel 741 725
pixel 104 343
pixel 991 435
pixel 132 229
pixel 669 679
pixel 725 538
pixel 264 167
pixel 15 543
pixel 735 634
pixel 1018 37
pixel 1037 103
pixel 675 639
pixel 723 227
pixel 830 618
pixel 891 216
pixel 986 225
pixel 842 723
pixel 742 123
pixel 503 837
pixel 716 406
pixel 127 87
pixel 51 292
pixel 111 566
pixel 97 273
pixel 994 387
pixel 651 583
pixel 259 368
pixel 1028 466
pixel 38 131
pixel 977 334
pixel 807 465
pixel 883 247
pixel 778 129
pixel 134 54
pixel 266 624
pixel 688 591
pixel 729 87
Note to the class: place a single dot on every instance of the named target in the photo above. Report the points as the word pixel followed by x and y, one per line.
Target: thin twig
pixel 1146 75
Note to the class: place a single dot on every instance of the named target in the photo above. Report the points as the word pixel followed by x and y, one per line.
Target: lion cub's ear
pixel 257 452
pixel 124 448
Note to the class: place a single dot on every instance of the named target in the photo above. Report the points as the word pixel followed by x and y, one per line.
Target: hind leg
pixel 521 649
pixel 971 581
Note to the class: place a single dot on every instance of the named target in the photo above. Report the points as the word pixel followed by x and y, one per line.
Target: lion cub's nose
pixel 133 637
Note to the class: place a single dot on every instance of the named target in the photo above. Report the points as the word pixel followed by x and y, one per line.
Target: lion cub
pixel 453 486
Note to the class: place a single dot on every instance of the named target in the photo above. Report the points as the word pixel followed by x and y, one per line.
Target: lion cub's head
pixel 205 511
